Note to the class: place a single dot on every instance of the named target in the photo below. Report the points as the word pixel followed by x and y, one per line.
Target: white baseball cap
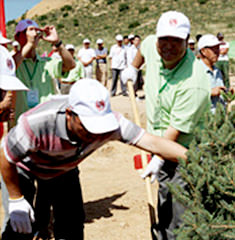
pixel 191 41
pixel 131 36
pixel 25 23
pixel 119 37
pixel 69 46
pixel 15 43
pixel 8 80
pixel 90 100
pixel 208 40
pixel 99 41
pixel 4 40
pixel 173 24
pixel 86 40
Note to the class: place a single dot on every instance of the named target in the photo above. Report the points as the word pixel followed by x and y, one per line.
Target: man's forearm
pixel 166 148
pixel 10 177
pixel 68 61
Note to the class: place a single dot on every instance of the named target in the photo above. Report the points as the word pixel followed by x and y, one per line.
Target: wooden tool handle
pixel 153 217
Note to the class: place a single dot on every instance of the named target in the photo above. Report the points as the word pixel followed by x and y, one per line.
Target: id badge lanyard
pixel 160 100
pixel 32 94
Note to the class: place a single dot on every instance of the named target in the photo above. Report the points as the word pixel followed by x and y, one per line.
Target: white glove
pixel 129 73
pixel 153 168
pixel 21 215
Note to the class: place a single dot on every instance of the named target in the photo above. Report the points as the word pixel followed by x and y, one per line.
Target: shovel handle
pixel 144 158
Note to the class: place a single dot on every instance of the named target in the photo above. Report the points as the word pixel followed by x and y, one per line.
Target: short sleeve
pixel 54 67
pixel 93 53
pixel 111 52
pixel 130 132
pixel 18 142
pixel 189 108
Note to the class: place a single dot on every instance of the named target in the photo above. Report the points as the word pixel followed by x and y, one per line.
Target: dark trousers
pixel 115 74
pixel 64 195
pixel 169 210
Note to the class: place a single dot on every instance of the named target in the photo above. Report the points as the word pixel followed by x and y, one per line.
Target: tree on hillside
pixel 210 176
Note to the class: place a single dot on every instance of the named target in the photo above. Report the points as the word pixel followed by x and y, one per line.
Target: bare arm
pixel 53 38
pixel 10 177
pixel 224 51
pixel 138 60
pixel 172 133
pixel 68 61
pixel 166 148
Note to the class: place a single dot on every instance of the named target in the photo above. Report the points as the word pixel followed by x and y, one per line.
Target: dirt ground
pixel 115 198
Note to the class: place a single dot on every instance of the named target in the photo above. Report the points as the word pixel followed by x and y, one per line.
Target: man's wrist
pixel 58 43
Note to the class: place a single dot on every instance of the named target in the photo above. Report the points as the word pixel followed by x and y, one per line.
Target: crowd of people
pixel 52 134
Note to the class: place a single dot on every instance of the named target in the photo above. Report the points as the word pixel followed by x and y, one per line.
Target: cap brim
pixel 5 41
pixel 11 83
pixel 100 124
pixel 172 34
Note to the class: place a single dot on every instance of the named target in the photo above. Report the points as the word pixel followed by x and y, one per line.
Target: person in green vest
pixel 72 76
pixel 177 92
pixel 35 72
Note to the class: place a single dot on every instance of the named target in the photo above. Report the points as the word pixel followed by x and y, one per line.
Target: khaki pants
pixel 101 73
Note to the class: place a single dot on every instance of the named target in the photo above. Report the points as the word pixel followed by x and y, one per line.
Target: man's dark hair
pixel 198 36
pixel 137 36
pixel 220 35
pixel 125 37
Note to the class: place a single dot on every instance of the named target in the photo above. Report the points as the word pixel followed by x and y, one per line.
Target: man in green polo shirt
pixel 177 96
pixel 35 72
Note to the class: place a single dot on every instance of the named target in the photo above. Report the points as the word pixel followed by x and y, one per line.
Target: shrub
pixel 65 15
pixel 66 8
pixel 11 22
pixel 202 1
pixel 134 24
pixel 143 10
pixel 60 26
pixel 230 25
pixel 42 18
pixel 123 7
pixel 75 22
pixel 110 1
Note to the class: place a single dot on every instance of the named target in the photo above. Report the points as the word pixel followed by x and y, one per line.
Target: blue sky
pixel 15 8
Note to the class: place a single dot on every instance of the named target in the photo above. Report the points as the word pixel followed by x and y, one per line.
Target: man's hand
pixel 33 36
pixel 129 73
pixel 51 34
pixel 216 91
pixel 21 215
pixel 153 168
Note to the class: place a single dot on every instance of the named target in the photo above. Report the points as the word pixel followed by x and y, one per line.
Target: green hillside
pixel 105 18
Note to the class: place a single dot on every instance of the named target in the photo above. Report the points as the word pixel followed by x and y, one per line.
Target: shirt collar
pixel 168 73
pixel 208 70
pixel 61 129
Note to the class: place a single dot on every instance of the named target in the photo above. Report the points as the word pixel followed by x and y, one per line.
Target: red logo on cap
pixel 9 64
pixel 29 22
pixel 173 22
pixel 100 105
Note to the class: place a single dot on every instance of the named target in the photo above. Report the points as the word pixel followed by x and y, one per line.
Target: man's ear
pixel 187 39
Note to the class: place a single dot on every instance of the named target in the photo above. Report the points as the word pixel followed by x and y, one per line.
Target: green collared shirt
pixel 37 75
pixel 178 97
pixel 74 74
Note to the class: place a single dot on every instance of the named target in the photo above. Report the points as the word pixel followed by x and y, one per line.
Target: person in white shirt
pixel 117 58
pixel 86 56
pixel 101 62
pixel 223 63
pixel 131 39
pixel 126 42
pixel 131 53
